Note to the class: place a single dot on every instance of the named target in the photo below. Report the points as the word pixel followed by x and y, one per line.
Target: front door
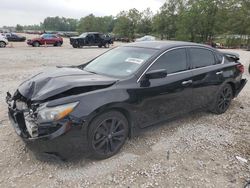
pixel 166 97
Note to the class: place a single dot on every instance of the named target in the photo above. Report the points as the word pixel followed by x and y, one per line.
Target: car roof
pixel 48 34
pixel 93 32
pixel 163 45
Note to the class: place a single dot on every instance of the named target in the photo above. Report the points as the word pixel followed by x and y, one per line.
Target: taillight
pixel 240 67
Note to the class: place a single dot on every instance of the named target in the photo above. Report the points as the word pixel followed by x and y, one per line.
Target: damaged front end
pixel 47 110
pixel 35 121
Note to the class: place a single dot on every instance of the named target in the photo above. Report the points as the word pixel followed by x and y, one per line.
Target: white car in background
pixel 145 38
pixel 3 41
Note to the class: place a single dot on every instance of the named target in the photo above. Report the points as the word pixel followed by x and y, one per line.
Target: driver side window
pixel 173 61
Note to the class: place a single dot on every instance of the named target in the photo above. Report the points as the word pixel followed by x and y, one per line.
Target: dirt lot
pixel 198 150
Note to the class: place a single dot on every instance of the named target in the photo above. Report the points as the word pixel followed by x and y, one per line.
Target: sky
pixel 27 12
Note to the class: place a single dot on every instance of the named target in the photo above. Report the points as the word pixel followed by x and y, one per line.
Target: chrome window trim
pixel 185 47
pixel 223 60
pixel 192 69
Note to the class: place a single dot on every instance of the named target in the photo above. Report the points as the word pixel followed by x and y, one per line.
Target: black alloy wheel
pixel 224 99
pixel 107 134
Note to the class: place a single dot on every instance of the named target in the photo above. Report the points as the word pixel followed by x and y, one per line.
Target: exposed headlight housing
pixel 20 105
pixel 48 114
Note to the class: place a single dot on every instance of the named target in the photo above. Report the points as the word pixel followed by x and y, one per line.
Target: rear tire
pixel 223 100
pixel 2 44
pixel 36 44
pixel 58 44
pixel 76 46
pixel 106 45
pixel 107 134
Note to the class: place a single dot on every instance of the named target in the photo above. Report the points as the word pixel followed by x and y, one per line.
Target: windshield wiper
pixel 90 71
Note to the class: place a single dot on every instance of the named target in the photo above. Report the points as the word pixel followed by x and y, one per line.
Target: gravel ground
pixel 197 150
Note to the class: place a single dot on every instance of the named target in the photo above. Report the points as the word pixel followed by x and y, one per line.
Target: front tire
pixel 222 100
pixel 36 44
pixel 107 134
pixel 2 44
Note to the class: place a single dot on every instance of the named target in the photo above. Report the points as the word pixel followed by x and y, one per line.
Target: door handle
pixel 187 82
pixel 220 72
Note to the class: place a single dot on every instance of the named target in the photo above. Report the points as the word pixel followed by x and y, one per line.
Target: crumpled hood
pixel 55 81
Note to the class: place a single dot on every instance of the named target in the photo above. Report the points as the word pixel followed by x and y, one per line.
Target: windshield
pixel 46 36
pixel 83 35
pixel 120 62
pixel 42 36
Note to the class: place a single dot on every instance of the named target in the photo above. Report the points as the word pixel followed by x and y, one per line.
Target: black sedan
pixel 98 105
pixel 12 37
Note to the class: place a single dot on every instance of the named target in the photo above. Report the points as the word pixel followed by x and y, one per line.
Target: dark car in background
pixel 91 39
pixel 12 37
pixel 99 104
pixel 46 39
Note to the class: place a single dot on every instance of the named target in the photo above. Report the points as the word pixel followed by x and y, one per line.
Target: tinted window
pixel 173 61
pixel 219 58
pixel 201 57
pixel 46 36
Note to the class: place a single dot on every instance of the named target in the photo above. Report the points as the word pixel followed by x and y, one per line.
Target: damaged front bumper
pixel 54 137
pixel 31 131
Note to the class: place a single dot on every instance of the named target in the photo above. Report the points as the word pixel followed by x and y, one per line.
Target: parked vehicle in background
pixel 145 38
pixel 3 41
pixel 12 37
pixel 91 39
pixel 71 34
pixel 99 104
pixel 48 39
pixel 121 39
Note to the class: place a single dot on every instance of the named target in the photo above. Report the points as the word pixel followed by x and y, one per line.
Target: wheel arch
pixel 3 42
pixel 37 41
pixel 105 109
pixel 233 86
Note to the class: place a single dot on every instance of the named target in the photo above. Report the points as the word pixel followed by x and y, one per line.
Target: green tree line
pixel 190 20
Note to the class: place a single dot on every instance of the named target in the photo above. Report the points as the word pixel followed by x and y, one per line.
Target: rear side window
pixel 219 58
pixel 173 61
pixel 201 57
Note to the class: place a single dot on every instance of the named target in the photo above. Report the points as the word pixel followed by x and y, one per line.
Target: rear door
pixel 90 40
pixel 97 39
pixel 207 76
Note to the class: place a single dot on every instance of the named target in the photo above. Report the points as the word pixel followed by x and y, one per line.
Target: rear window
pixel 219 58
pixel 201 57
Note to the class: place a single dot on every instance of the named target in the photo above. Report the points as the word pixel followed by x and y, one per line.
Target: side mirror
pixel 155 74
